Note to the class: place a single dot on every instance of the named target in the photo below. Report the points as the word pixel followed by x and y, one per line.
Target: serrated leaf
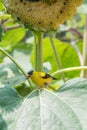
pixel 74 93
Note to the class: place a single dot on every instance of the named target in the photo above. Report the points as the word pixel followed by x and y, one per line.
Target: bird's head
pixel 30 74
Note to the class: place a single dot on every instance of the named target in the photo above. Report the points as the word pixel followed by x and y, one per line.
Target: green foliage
pixel 10 101
pixel 21 52
pixel 85 1
pixel 64 51
pixel 74 93
pixel 21 109
pixel 42 109
pixel 1 6
pixel 38 117
pixel 12 37
pixel 10 75
pixel 23 89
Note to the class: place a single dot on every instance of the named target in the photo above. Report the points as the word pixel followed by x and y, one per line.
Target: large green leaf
pixel 12 37
pixel 74 93
pixel 44 110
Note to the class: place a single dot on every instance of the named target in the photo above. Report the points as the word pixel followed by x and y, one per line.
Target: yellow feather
pixel 36 77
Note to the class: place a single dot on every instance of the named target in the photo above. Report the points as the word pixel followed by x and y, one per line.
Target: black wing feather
pixel 48 76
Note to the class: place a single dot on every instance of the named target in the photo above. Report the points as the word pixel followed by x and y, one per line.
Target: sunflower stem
pixel 57 58
pixel 38 36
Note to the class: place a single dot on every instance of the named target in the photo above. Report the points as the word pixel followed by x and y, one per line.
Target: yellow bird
pixel 41 79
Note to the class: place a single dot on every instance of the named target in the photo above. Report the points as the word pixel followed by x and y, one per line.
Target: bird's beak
pixel 28 76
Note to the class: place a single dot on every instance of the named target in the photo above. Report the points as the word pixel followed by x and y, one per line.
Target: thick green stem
pixel 84 72
pixel 57 58
pixel 70 69
pixel 38 51
pixel 13 60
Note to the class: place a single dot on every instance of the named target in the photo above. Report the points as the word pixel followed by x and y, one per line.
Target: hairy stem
pixel 70 69
pixel 38 36
pixel 57 58
pixel 84 72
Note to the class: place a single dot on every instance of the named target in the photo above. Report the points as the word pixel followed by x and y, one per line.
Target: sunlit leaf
pixel 12 37
pixel 1 6
pixel 67 55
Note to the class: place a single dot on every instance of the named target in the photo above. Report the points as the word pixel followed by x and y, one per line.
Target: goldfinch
pixel 41 79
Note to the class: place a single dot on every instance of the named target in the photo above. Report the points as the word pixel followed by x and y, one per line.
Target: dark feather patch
pixel 45 76
pixel 30 72
pixel 48 76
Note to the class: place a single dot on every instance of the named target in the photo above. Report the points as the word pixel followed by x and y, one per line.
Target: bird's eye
pixel 30 72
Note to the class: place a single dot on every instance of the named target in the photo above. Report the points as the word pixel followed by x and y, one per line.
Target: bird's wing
pixel 44 75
